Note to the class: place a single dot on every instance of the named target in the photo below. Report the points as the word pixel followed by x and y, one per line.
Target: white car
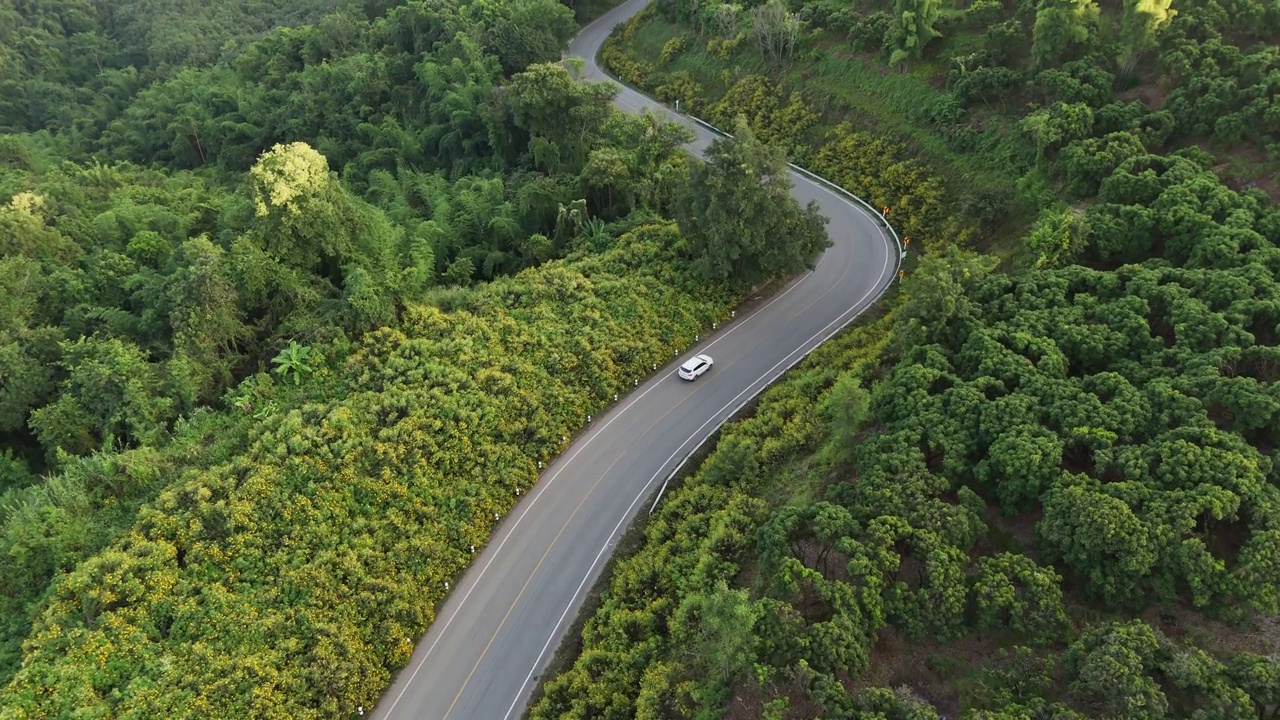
pixel 695 366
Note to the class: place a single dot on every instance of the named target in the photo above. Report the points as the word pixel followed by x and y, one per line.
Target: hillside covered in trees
pixel 1046 482
pixel 289 316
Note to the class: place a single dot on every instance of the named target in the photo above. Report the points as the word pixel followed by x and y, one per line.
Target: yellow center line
pixel 542 559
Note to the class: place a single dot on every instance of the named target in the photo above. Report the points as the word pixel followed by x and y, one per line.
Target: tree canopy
pixel 738 215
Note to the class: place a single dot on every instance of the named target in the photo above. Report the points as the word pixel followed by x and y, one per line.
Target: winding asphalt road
pixel 482 657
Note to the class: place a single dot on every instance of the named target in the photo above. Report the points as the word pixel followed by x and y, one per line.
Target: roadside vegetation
pixel 292 317
pixel 1003 103
pixel 1046 483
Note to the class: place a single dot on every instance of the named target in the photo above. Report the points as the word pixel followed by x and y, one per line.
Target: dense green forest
pixel 1046 482
pixel 276 278
pixel 295 298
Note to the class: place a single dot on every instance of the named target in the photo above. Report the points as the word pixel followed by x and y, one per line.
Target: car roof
pixel 695 361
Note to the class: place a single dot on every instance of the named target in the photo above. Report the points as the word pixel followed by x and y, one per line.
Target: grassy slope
pixel 845 88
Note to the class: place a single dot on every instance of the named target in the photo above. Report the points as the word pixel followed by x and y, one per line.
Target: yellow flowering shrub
pixel 291 581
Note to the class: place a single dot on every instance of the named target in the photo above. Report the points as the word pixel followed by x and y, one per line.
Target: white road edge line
pixel 653 383
pixel 842 320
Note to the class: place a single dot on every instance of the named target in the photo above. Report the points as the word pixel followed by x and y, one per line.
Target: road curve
pixel 481 658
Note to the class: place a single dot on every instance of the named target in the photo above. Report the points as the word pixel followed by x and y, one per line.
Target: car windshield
pixel 693 365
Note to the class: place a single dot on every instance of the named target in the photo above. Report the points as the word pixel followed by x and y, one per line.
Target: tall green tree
pixel 1061 28
pixel 848 408
pixel 937 291
pixel 1100 538
pixel 660 165
pixel 548 114
pixel 776 30
pixel 1053 127
pixel 715 629
pixel 1057 237
pixel 1142 21
pixel 110 391
pixel 741 221
pixel 522 32
pixel 308 221
pixel 913 29
pixel 28 346
pixel 207 318
pixel 1011 589
pixel 1110 669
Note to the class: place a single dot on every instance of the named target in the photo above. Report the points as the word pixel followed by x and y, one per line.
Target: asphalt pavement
pixel 501 625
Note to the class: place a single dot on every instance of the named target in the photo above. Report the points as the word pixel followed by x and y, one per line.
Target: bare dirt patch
pixel 1259 635
pixel 937 672
pixel 1149 92
pixel 1021 528
pixel 817 555
pixel 1245 166
pixel 749 701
